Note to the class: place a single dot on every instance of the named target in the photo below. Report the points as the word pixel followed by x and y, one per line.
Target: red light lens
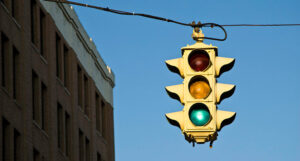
pixel 199 60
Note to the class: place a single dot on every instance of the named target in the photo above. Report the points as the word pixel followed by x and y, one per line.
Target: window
pixel 66 66
pixel 63 130
pixel 44 103
pixel 10 148
pixel 36 155
pixel 5 139
pixel 4 60
pixel 12 6
pixel 6 3
pixel 62 62
pixel 15 7
pixel 67 133
pixel 33 15
pixel 81 144
pixel 35 97
pixel 17 146
pixel 99 158
pixel 83 91
pixel 86 94
pixel 103 118
pixel 42 32
pixel 98 114
pixel 57 51
pixel 87 150
pixel 15 71
pixel 39 101
pixel 79 86
pixel 59 126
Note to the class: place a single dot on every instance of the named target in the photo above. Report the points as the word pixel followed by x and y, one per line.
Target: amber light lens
pixel 199 60
pixel 200 89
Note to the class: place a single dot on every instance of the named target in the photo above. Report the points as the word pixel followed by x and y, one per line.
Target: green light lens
pixel 199 114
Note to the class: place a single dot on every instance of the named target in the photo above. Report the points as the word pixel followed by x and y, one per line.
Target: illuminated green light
pixel 199 114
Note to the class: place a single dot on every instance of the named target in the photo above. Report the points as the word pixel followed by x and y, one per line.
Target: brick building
pixel 56 99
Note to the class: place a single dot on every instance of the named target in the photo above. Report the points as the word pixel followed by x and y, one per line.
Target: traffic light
pixel 199 66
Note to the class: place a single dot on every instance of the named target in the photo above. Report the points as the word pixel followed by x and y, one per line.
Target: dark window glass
pixel 36 155
pixel 42 32
pixel 33 15
pixel 98 121
pixel 4 59
pixel 59 126
pixel 79 86
pixel 35 98
pixel 86 95
pixel 58 54
pixel 67 134
pixel 43 105
pixel 5 139
pixel 99 158
pixel 15 9
pixel 103 118
pixel 17 146
pixel 87 150
pixel 66 66
pixel 81 144
pixel 15 66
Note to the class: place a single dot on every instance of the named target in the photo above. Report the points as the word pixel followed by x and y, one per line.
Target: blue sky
pixel 266 73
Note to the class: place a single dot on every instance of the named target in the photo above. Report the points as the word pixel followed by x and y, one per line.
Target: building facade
pixel 56 93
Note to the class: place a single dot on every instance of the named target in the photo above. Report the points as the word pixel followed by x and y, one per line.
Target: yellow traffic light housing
pixel 199 66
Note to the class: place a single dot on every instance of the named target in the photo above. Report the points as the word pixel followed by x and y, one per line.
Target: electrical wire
pixel 121 12
pixel 194 25
pixel 259 25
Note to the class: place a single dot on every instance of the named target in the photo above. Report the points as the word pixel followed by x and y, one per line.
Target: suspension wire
pixel 121 12
pixel 200 25
pixel 213 25
pixel 259 25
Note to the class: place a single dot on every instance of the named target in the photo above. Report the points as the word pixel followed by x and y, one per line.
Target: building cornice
pixel 75 35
